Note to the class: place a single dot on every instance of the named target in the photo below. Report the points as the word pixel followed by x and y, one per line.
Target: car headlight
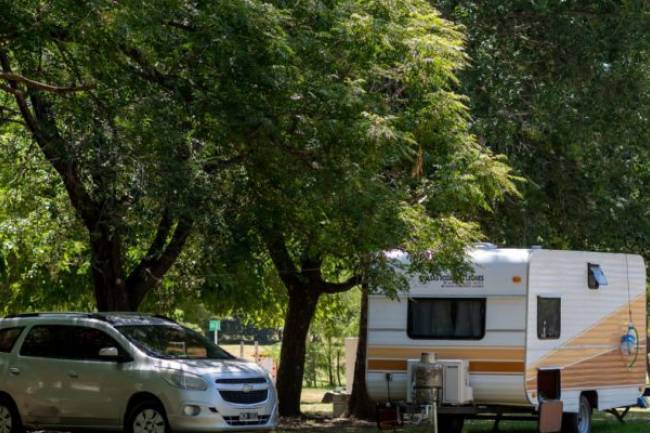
pixel 184 380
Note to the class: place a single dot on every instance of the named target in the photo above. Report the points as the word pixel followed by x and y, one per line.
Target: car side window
pixel 89 341
pixel 8 338
pixel 67 342
pixel 42 341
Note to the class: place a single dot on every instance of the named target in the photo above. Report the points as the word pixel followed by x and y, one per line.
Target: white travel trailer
pixel 528 326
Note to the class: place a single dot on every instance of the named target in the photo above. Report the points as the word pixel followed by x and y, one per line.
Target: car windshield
pixel 172 342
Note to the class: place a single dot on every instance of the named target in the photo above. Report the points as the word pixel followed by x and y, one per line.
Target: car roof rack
pixel 14 316
pixel 55 314
pixel 105 317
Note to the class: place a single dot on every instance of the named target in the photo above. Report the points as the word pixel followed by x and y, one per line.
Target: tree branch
pixel 151 269
pixel 330 288
pixel 9 89
pixel 19 96
pixel 284 265
pixel 162 234
pixel 214 165
pixel 312 271
pixel 309 277
pixel 8 115
pixel 154 75
pixel 8 111
pixel 4 120
pixel 16 78
pixel 54 149
pixel 181 25
pixel 40 123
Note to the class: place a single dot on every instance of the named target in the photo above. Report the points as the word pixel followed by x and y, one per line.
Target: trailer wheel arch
pixel 592 396
pixel 574 422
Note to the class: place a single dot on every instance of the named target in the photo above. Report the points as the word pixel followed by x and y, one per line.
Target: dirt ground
pixel 601 424
pixel 317 419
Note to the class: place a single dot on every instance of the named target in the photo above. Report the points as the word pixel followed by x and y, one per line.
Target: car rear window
pixel 8 337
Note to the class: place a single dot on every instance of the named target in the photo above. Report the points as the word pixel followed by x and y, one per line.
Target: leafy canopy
pixel 330 129
pixel 562 88
pixel 366 147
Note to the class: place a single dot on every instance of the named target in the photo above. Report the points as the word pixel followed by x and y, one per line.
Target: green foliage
pixel 334 126
pixel 562 89
pixel 136 110
pixel 365 147
pixel 337 317
pixel 43 254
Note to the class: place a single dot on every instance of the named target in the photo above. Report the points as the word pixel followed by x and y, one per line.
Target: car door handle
pixel 73 374
pixel 14 371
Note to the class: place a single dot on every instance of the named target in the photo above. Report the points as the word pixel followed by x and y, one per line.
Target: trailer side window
pixel 549 318
pixel 446 319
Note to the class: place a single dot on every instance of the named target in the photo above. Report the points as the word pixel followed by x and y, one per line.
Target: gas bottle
pixel 428 379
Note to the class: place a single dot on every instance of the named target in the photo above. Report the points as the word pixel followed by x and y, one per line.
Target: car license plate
pixel 248 416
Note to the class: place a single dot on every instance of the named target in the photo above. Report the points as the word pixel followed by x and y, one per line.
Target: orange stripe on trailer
pixel 470 353
pixel 496 367
pixel 387 364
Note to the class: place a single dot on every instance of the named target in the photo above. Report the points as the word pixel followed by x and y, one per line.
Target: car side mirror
pixel 109 353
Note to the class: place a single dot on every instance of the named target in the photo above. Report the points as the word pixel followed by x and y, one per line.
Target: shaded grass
pixel 249 350
pixel 318 420
pixel 600 425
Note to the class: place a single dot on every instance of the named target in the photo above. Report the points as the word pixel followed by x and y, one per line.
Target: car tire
pixel 450 423
pixel 578 422
pixel 10 421
pixel 147 416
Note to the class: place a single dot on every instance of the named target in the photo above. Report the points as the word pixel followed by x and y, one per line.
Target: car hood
pixel 232 368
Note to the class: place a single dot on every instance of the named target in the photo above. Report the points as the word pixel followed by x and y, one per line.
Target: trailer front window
pixel 446 318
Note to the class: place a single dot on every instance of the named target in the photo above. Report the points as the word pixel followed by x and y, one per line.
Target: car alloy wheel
pixel 148 421
pixel 6 420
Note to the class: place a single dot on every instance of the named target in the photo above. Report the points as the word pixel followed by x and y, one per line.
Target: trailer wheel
pixel 578 422
pixel 450 423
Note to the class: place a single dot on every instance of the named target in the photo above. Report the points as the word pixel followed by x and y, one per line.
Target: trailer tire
pixel 578 422
pixel 450 423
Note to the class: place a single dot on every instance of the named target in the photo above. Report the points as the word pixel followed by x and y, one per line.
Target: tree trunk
pixel 310 366
pixel 302 307
pixel 338 366
pixel 314 370
pixel 360 405
pixel 108 274
pixel 330 372
pixel 114 290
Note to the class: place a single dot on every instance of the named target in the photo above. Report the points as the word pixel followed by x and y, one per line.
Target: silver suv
pixel 132 372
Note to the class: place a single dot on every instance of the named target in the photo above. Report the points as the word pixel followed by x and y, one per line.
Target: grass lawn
pixel 249 350
pixel 602 424
pixel 317 420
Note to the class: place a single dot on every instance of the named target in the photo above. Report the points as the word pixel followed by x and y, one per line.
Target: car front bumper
pixel 214 419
